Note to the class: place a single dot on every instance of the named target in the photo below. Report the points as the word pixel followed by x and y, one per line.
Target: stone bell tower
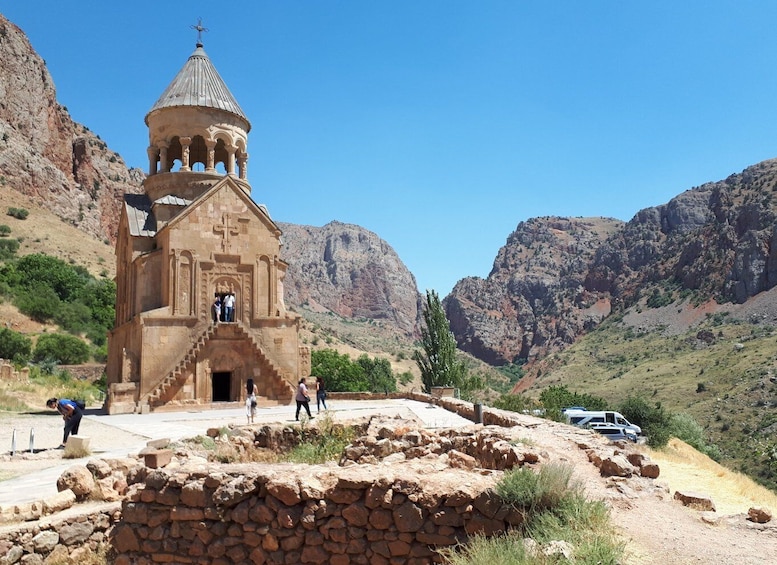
pixel 193 236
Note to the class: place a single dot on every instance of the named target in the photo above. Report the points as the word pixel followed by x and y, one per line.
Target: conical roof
pixel 198 84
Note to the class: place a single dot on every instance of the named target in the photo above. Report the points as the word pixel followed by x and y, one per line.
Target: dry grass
pixel 44 232
pixel 684 468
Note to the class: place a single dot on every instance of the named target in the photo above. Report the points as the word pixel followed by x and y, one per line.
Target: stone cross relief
pixel 226 228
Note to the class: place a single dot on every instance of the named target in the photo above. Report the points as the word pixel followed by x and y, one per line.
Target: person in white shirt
pixel 229 307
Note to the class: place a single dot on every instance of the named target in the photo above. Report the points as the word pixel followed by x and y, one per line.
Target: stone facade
pixel 193 235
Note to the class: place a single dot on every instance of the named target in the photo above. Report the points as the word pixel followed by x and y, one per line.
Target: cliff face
pixel 350 271
pixel 718 239
pixel 534 299
pixel 557 277
pixel 46 155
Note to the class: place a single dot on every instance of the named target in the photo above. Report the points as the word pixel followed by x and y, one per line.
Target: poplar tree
pixel 437 362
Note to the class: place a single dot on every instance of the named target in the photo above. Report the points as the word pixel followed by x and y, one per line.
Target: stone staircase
pixel 157 395
pixel 160 394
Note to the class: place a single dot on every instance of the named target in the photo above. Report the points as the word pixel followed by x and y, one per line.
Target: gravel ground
pixel 47 429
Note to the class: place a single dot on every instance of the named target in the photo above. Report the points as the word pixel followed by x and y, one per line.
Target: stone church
pixel 193 236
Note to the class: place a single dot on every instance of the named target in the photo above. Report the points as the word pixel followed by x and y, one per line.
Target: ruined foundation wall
pixel 263 514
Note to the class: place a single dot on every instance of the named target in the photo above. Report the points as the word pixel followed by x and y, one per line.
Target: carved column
pixel 231 160
pixel 175 265
pixel 153 157
pixel 185 142
pixel 242 163
pixel 210 166
pixel 164 166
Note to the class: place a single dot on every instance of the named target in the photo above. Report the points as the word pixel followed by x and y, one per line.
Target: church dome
pixel 198 84
pixel 196 127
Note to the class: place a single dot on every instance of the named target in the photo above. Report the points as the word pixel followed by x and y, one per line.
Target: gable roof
pixel 227 182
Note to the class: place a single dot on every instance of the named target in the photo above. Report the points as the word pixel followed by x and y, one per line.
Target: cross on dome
pixel 199 29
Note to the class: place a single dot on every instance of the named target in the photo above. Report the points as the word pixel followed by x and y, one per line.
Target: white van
pixel 582 418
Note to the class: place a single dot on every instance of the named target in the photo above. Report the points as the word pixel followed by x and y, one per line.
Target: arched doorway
pixel 225 302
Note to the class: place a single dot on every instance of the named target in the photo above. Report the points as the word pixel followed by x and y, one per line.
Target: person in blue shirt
pixel 71 413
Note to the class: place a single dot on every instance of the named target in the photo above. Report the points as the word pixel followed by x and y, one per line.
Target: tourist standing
pixel 320 394
pixel 303 399
pixel 217 309
pixel 229 307
pixel 251 391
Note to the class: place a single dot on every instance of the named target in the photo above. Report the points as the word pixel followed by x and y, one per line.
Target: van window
pixel 610 417
pixel 622 421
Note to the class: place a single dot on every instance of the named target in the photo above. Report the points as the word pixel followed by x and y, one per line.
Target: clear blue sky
pixel 440 124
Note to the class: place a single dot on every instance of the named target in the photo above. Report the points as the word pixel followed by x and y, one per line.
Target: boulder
pixel 78 479
pixel 695 500
pixel 759 515
pixel 616 466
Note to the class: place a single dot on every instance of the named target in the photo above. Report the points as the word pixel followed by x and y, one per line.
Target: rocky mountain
pixel 558 277
pixel 350 271
pixel 535 299
pixel 44 154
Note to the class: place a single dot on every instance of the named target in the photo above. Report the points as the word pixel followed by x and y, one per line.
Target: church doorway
pixel 221 387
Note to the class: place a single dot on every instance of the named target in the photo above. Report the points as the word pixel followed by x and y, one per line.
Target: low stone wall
pixel 68 537
pixel 298 514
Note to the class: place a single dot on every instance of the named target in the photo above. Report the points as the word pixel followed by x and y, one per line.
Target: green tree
pixel 556 398
pixel 14 345
pixel 38 269
pixel 62 348
pixel 39 302
pixel 380 377
pixel 339 372
pixel 438 363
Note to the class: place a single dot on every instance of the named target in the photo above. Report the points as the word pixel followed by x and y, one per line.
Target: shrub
pixel 684 427
pixel 556 398
pixel 535 492
pixel 38 270
pixel 654 420
pixel 328 445
pixel 14 345
pixel 339 372
pixel 554 509
pixel 8 248
pixel 63 348
pixel 515 403
pixel 4 230
pixel 405 378
pixel 40 303
pixel 378 373
pixel 18 213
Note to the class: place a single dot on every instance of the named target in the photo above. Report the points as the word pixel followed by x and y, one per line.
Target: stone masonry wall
pixel 268 514
pixel 65 538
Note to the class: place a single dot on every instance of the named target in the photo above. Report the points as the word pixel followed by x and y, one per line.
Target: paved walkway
pixel 179 425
